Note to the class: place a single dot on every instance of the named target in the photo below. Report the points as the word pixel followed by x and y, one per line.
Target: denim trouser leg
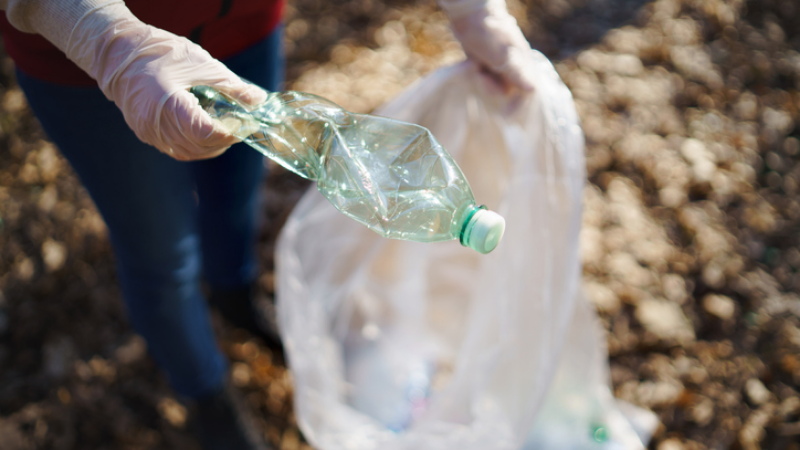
pixel 170 222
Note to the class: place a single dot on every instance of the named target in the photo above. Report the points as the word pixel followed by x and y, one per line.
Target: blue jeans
pixel 171 223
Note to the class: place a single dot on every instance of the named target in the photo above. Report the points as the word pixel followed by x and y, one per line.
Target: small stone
pixel 48 162
pixel 625 40
pixel 761 216
pixel 779 121
pixel 752 432
pixel 602 297
pixel 722 184
pixel 746 107
pixel 54 254
pixel 683 31
pixel 672 196
pixel 790 406
pixel 29 174
pixel 658 394
pixel 173 412
pixel 664 319
pixel 625 268
pixel 102 368
pixel 697 375
pixel 695 63
pixel 774 161
pixel 132 351
pixel 713 275
pixel 83 370
pixel 756 391
pixel 48 198
pixel 14 101
pixel 240 374
pixel 703 412
pixel 591 245
pixel 628 65
pixel 592 60
pixel 24 269
pixel 670 444
pixel 64 396
pixel 719 305
pixel 674 288
pixel 702 159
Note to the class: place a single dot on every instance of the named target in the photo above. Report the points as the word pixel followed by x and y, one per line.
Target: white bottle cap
pixel 486 230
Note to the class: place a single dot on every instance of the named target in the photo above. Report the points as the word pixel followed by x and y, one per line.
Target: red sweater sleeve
pixel 223 27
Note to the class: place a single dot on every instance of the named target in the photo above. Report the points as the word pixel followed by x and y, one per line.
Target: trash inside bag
pixel 397 345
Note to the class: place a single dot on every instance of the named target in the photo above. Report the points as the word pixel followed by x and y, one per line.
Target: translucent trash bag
pixel 397 345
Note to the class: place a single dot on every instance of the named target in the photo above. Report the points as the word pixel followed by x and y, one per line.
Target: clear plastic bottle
pixel 392 176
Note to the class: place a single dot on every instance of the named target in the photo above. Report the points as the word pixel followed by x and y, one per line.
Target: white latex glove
pixel 491 37
pixel 146 71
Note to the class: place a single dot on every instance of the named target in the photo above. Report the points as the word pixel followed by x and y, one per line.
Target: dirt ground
pixel 690 241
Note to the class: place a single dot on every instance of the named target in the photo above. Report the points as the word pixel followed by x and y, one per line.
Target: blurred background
pixel 691 239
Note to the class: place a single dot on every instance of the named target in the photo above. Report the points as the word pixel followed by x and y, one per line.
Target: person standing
pixel 108 80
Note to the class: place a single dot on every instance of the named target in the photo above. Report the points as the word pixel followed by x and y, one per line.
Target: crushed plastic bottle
pixel 392 176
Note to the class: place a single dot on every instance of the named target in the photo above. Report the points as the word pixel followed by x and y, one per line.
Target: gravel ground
pixel 691 243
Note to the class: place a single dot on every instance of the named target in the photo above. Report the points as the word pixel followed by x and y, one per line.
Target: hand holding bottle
pixel 146 71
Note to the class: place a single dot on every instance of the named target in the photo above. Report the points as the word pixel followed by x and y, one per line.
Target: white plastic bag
pixel 397 345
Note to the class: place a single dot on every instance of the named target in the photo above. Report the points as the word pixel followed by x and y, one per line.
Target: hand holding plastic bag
pixel 491 37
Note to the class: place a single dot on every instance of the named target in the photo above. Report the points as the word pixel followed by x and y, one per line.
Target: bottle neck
pixel 468 223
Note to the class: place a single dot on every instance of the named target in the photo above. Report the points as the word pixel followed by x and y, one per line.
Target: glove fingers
pixel 493 39
pixel 246 93
pixel 179 150
pixel 519 69
pixel 147 72
pixel 231 85
pixel 189 131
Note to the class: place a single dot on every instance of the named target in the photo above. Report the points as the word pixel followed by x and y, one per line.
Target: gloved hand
pixel 146 71
pixel 491 37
